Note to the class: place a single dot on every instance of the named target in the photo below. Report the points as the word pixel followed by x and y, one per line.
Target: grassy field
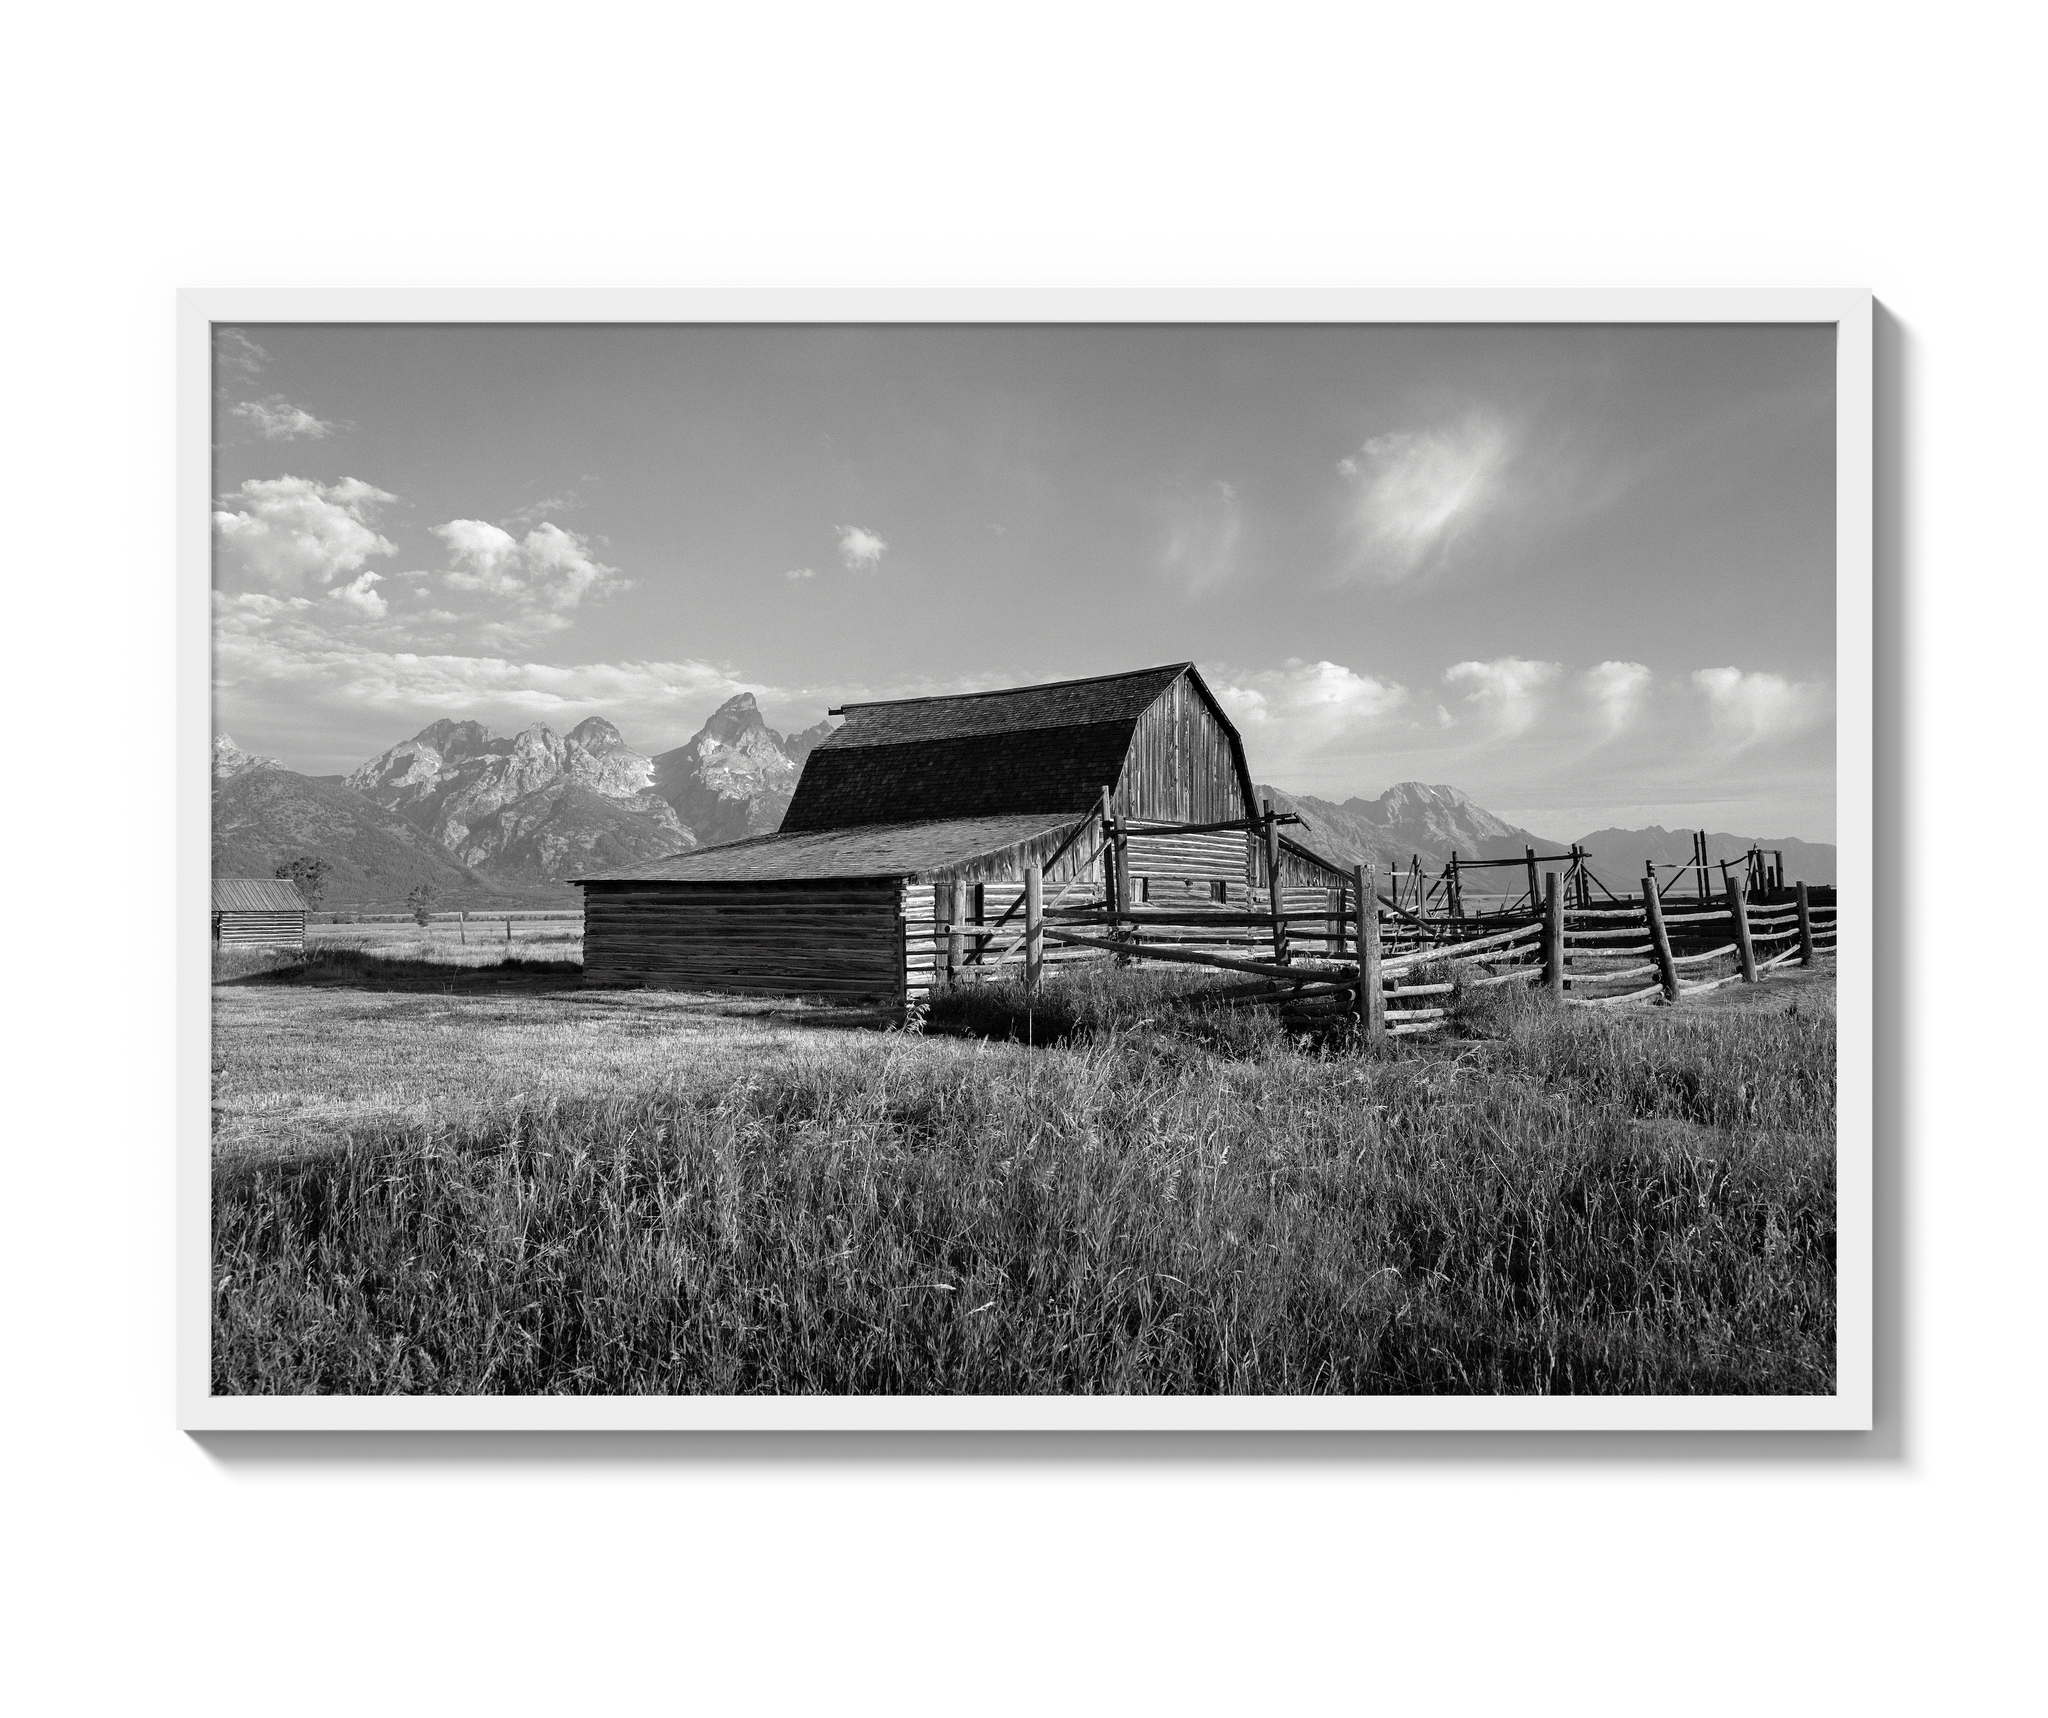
pixel 433 1176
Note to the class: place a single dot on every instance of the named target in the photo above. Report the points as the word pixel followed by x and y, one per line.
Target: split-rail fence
pixel 1294 933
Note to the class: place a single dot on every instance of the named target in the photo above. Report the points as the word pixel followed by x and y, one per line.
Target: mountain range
pixel 1418 820
pixel 493 820
pixel 486 818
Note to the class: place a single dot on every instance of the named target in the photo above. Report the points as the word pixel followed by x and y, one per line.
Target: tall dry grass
pixel 1580 1204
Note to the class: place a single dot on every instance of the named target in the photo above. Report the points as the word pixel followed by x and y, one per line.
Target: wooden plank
pixel 1702 958
pixel 1527 975
pixel 1171 955
pixel 1613 1001
pixel 1615 976
pixel 1462 950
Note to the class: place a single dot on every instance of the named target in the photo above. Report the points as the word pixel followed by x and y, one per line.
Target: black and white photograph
pixel 1071 860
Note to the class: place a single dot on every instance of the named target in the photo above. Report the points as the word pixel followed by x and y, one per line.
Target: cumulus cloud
pixel 1292 715
pixel 1508 691
pixel 234 350
pixel 1203 525
pixel 1413 492
pixel 1618 691
pixel 1750 708
pixel 358 596
pixel 543 574
pixel 277 419
pixel 796 573
pixel 290 532
pixel 859 548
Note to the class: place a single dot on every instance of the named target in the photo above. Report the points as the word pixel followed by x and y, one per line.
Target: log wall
pixel 275 930
pixel 840 939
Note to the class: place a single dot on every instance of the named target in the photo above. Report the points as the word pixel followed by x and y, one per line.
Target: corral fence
pixel 1295 935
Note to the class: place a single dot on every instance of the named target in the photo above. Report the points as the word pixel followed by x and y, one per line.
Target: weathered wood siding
pixel 276 930
pixel 832 938
pixel 1180 767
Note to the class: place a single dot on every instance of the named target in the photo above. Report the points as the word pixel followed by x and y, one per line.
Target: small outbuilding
pixel 262 911
pixel 913 824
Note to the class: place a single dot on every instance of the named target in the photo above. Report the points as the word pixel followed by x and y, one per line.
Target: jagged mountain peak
pixel 230 760
pixel 595 734
pixel 733 721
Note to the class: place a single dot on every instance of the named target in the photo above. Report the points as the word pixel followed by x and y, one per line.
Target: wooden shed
pixel 920 814
pixel 259 910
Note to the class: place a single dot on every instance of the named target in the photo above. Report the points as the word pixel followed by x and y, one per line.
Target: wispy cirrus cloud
pixel 1204 523
pixel 234 350
pixel 292 532
pixel 277 419
pixel 796 575
pixel 860 550
pixel 1748 709
pixel 1410 495
pixel 1508 692
pixel 534 512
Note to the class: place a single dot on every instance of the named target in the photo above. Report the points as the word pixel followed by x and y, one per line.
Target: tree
pixel 311 876
pixel 421 901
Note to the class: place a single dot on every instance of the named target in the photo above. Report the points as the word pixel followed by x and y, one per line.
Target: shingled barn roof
pixel 912 851
pixel 983 754
pixel 257 895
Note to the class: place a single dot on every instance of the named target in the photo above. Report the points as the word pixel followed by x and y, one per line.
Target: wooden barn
pixel 903 853
pixel 258 910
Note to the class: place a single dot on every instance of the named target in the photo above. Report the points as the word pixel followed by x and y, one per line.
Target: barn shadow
pixel 352 969
pixel 356 970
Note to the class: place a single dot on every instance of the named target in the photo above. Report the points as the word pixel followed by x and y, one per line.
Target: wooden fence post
pixel 1371 1002
pixel 1457 895
pixel 1553 936
pixel 1273 890
pixel 1660 938
pixel 1535 900
pixel 943 926
pixel 1805 925
pixel 1034 928
pixel 1745 950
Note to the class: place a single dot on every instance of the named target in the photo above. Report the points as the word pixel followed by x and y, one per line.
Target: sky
pixel 1584 574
